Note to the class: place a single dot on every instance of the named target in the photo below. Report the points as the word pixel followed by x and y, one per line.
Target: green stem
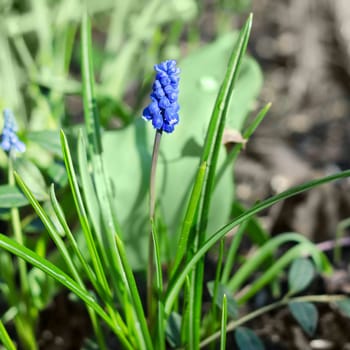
pixel 152 204
pixel 17 231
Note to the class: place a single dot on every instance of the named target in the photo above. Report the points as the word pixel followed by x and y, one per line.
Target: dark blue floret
pixel 164 108
pixel 9 138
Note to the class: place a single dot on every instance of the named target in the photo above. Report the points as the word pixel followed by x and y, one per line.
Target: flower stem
pixel 152 202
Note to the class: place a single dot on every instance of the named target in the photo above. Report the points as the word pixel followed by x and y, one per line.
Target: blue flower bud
pixel 9 139
pixel 163 110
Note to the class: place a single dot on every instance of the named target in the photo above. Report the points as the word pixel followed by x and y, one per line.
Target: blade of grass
pixel 55 236
pixel 263 254
pixel 5 338
pixel 177 280
pixel 119 264
pixel 61 218
pixel 212 146
pixel 190 216
pixel 57 274
pixel 231 255
pixel 223 323
pixel 90 107
pixel 276 268
pixel 89 193
pixel 61 277
pixel 96 262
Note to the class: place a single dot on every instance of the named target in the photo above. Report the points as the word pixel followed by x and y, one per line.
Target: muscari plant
pixel 99 270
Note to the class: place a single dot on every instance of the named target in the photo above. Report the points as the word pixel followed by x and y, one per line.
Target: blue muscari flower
pixel 164 108
pixel 9 138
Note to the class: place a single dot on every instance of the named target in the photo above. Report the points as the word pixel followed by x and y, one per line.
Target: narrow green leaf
pixel 223 323
pixel 232 307
pixel 265 252
pixel 190 215
pixel 254 228
pixel 270 274
pixel 88 188
pixel 300 275
pixel 178 279
pixel 5 338
pixel 84 221
pixel 306 315
pixel 11 197
pixel 62 220
pixel 90 107
pixel 211 150
pixel 246 339
pixel 32 258
pixel 232 252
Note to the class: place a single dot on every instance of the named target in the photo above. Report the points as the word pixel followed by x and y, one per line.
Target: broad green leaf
pixel 48 139
pixel 306 315
pixel 300 275
pixel 246 339
pixel 232 307
pixel 127 152
pixel 344 306
pixel 32 177
pixel 11 197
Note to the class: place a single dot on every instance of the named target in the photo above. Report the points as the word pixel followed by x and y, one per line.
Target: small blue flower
pixel 164 108
pixel 9 139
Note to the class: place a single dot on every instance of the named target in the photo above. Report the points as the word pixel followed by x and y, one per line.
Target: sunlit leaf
pixel 32 177
pixel 11 197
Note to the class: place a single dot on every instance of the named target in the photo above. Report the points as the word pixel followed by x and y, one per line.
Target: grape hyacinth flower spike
pixel 164 108
pixel 9 139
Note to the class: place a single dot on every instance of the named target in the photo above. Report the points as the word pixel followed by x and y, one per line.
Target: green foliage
pixel 306 314
pixel 246 339
pixel 300 275
pixel 178 161
pixel 232 307
pixel 11 197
